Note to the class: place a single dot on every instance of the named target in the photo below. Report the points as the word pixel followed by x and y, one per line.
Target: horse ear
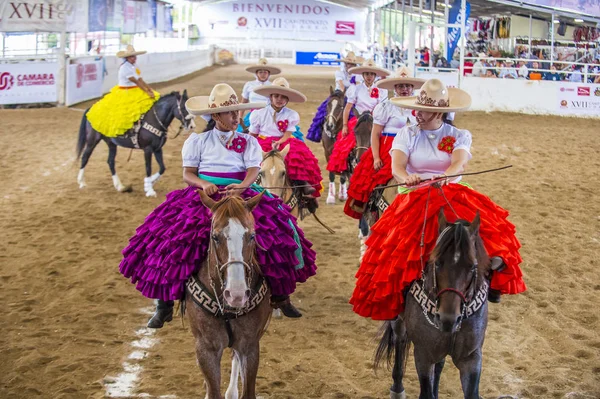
pixel 206 200
pixel 474 227
pixel 285 151
pixel 185 94
pixel 254 201
pixel 442 222
pixel 330 90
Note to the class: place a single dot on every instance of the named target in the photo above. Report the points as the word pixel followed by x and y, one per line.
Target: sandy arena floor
pixel 69 318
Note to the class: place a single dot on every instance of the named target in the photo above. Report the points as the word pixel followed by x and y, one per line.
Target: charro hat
pixel 281 86
pixel 351 58
pixel 263 64
pixel 369 66
pixel 222 98
pixel 129 52
pixel 435 97
pixel 402 75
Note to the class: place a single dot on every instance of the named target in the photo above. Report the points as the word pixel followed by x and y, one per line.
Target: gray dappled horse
pixel 150 135
pixel 446 313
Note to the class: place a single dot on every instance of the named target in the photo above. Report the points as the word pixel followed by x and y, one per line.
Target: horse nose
pixel 447 322
pixel 236 298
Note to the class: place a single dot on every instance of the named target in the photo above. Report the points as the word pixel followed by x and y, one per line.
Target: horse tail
pixel 82 134
pixel 386 349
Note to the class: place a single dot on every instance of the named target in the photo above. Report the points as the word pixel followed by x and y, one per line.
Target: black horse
pixel 148 134
pixel 446 314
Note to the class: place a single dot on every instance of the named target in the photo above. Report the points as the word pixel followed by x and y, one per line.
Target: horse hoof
pixel 82 185
pixel 151 193
pixel 330 200
pixel 396 395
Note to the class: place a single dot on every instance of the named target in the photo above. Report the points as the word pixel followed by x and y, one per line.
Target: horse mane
pixel 273 153
pixel 337 93
pixel 231 207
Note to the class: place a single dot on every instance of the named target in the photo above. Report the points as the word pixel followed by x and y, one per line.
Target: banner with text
pixel 454 34
pixel 320 58
pixel 278 19
pixel 26 83
pixel 578 99
pixel 84 81
pixel 43 15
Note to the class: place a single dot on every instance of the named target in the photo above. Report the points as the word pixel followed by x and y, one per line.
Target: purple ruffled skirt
pixel 173 241
pixel 315 131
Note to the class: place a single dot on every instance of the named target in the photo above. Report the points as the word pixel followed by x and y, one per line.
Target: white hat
pixel 263 65
pixel 369 66
pixel 222 99
pixel 281 86
pixel 435 97
pixel 402 75
pixel 129 52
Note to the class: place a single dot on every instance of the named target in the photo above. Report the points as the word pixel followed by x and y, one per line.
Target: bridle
pixel 336 116
pixel 186 121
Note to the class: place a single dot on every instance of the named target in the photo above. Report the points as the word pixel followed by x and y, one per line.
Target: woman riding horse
pixel 364 97
pixel 401 241
pixel 174 239
pixel 117 111
pixel 274 126
pixel 263 72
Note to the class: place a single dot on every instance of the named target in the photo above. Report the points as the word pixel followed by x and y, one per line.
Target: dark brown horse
pixel 446 314
pixel 227 301
pixel 331 127
pixel 150 136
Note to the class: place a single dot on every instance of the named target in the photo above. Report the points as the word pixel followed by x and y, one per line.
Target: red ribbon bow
pixel 447 144
pixel 375 93
pixel 283 125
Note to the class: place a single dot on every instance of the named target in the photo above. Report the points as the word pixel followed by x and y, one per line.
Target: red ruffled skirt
pixel 300 162
pixel 392 260
pixel 365 178
pixel 338 160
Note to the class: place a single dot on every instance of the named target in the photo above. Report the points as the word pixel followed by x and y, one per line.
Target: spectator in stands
pixel 509 72
pixel 576 76
pixel 490 73
pixel 468 65
pixel 553 75
pixel 534 74
pixel 479 67
pixel 523 70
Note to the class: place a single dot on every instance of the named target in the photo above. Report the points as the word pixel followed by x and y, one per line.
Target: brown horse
pixel 227 301
pixel 446 314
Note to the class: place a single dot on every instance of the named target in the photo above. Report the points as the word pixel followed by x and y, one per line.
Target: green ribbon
pixel 225 181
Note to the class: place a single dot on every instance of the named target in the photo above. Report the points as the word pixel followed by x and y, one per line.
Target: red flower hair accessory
pixel 283 125
pixel 447 144
pixel 375 93
pixel 238 145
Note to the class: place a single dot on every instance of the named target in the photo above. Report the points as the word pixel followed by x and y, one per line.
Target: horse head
pixel 273 172
pixel 457 268
pixel 335 109
pixel 182 114
pixel 232 268
pixel 362 132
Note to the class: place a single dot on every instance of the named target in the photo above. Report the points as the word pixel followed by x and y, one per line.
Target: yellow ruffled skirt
pixel 117 111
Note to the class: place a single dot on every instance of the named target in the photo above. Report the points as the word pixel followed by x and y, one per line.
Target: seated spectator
pixel 479 67
pixel 523 71
pixel 468 65
pixel 534 74
pixel 509 72
pixel 490 73
pixel 576 76
pixel 553 75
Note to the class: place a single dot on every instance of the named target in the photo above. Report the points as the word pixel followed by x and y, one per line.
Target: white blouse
pixel 207 152
pixel 261 121
pixel 392 118
pixel 360 96
pixel 249 94
pixel 421 146
pixel 345 77
pixel 126 71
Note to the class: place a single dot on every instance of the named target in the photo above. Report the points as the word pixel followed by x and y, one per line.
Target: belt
pixel 267 137
pixel 388 134
pixel 127 87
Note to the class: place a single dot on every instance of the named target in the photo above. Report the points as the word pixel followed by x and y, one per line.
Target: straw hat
pixel 401 76
pixel 435 97
pixel 369 66
pixel 263 65
pixel 222 99
pixel 351 58
pixel 281 86
pixel 129 52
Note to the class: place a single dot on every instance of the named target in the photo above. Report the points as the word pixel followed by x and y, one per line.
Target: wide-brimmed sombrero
pixel 263 64
pixel 281 86
pixel 351 58
pixel 402 75
pixel 369 66
pixel 129 52
pixel 222 98
pixel 435 97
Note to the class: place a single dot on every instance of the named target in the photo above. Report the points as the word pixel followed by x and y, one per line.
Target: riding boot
pixel 493 296
pixel 307 189
pixel 283 303
pixel 163 313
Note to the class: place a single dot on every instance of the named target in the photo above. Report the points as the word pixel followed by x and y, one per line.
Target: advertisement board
pixel 320 58
pixel 279 19
pixel 578 99
pixel 43 15
pixel 25 83
pixel 84 81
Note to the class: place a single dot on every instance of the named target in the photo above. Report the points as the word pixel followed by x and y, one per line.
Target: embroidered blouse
pixel 421 146
pixel 126 71
pixel 345 77
pixel 392 118
pixel 261 122
pixel 207 152
pixel 249 94
pixel 360 96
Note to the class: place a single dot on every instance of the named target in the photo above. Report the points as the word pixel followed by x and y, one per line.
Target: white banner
pixel 279 19
pixel 84 81
pixel 43 15
pixel 449 78
pixel 578 99
pixel 129 16
pixel 28 83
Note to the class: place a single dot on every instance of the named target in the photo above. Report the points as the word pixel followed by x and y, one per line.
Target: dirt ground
pixel 68 318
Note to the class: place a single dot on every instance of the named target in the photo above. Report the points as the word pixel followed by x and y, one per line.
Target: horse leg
pixel 425 371
pixel 363 234
pixel 250 370
pixel 209 361
pixel 436 377
pixel 112 154
pixel 148 183
pixel 343 193
pixel 470 373
pixel 92 140
pixel 400 354
pixel 232 389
